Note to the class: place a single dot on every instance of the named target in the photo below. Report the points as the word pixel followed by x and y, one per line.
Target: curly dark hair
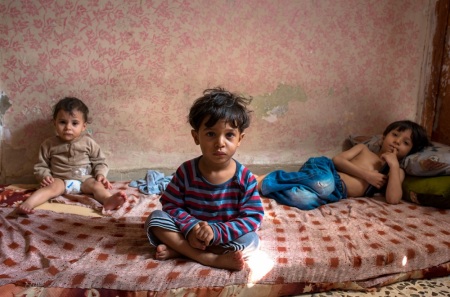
pixel 220 104
pixel 70 104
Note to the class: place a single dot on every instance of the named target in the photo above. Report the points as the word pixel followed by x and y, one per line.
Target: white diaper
pixel 73 186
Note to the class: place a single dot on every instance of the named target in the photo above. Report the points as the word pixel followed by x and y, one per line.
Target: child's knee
pixel 154 214
pixel 57 186
pixel 302 199
pixel 324 187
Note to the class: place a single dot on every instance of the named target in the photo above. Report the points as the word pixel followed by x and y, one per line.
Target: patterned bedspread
pixel 357 244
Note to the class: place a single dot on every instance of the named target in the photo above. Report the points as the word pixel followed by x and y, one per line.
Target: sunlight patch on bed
pixel 404 261
pixel 260 264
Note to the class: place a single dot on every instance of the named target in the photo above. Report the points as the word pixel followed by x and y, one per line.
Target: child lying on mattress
pixel 211 208
pixel 322 180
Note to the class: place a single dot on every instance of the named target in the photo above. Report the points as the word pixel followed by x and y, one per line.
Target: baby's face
pixel 69 126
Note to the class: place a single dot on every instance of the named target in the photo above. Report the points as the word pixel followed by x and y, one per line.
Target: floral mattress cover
pixel 358 244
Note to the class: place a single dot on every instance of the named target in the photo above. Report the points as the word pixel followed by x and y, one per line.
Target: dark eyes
pixel 228 135
pixel 73 123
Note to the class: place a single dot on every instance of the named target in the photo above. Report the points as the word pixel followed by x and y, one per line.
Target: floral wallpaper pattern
pixel 318 70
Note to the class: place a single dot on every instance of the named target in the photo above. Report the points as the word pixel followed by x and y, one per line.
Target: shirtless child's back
pixel 321 180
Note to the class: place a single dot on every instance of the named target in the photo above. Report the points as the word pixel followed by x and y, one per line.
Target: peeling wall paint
pixel 273 105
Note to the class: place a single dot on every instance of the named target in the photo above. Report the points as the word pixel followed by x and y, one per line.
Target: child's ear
pixel 240 138
pixel 195 136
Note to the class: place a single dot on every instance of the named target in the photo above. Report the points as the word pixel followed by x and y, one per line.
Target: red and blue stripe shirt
pixel 232 209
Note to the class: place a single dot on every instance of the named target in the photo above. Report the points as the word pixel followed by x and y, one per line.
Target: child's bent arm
pixel 42 167
pixel 394 185
pixel 343 163
pixel 250 217
pixel 173 203
pixel 97 158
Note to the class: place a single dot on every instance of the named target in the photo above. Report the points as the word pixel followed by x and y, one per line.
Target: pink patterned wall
pixel 318 71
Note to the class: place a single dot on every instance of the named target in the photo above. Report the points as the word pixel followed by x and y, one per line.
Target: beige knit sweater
pixel 78 159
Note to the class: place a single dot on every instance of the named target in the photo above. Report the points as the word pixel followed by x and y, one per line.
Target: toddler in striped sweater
pixel 211 209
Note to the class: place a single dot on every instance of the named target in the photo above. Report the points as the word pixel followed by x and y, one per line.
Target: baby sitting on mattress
pixel 71 162
pixel 349 174
pixel 211 208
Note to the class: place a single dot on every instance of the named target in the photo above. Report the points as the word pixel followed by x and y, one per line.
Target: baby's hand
pixel 205 233
pixel 46 181
pixel 193 240
pixel 101 178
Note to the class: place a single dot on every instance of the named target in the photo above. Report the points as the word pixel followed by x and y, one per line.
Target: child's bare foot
pixel 163 252
pixel 230 261
pixel 24 208
pixel 115 201
pixel 259 179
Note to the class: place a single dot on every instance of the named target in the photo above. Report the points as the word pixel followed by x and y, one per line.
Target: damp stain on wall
pixel 274 105
pixel 5 104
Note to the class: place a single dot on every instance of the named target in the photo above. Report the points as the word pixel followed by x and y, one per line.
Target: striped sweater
pixel 232 209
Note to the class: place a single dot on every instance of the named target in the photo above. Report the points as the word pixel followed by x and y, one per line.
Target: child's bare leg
pixel 42 195
pixel 102 195
pixel 175 244
pixel 74 197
